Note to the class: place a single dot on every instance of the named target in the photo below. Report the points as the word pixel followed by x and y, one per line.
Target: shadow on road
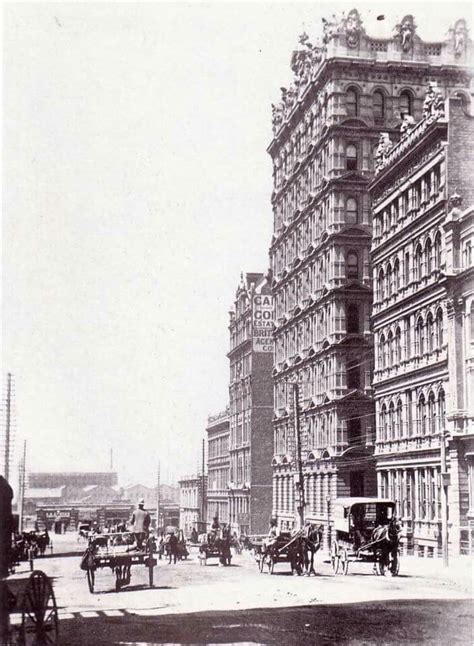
pixel 415 621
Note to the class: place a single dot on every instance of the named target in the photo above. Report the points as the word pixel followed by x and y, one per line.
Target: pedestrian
pixel 140 523
pixel 173 547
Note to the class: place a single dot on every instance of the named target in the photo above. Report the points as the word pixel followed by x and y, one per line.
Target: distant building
pixel 192 504
pixel 137 492
pixel 218 462
pixel 251 406
pixel 80 479
pixel 423 322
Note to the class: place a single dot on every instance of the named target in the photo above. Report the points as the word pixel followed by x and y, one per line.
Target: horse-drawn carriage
pixel 297 549
pixel 118 551
pixel 366 531
pixel 215 544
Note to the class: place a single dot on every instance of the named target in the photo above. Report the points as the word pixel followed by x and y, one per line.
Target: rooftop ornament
pixel 433 106
pixel 384 147
pixel 405 32
pixel 352 25
pixel 460 37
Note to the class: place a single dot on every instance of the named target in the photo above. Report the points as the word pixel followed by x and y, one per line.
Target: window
pixel 398 345
pixel 396 275
pixel 353 374
pixel 405 103
pixel 352 102
pixel 437 251
pixel 353 319
pixel 390 349
pixel 421 415
pixel 381 285
pixel 351 157
pixel 378 106
pixel 441 410
pixel 419 337
pixel 351 210
pixel 407 268
pixel 439 328
pixel 352 265
pixel 430 340
pixel 399 418
pixel 389 280
pixel 418 265
pixel 382 352
pixel 429 256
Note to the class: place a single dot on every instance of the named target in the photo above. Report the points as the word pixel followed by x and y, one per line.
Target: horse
pixel 311 541
pixel 387 541
pixel 222 543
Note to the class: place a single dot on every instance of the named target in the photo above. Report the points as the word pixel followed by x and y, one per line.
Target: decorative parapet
pixel 346 37
pixel 218 416
pixel 433 110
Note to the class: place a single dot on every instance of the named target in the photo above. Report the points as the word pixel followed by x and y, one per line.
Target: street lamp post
pixel 300 484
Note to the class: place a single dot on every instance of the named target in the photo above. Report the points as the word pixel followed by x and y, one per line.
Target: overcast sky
pixel 136 187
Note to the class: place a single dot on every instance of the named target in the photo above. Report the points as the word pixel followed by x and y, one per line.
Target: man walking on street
pixel 141 522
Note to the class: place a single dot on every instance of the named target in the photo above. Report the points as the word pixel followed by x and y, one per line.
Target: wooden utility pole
pixel 158 497
pixel 444 500
pixel 21 493
pixel 203 488
pixel 300 484
pixel 8 423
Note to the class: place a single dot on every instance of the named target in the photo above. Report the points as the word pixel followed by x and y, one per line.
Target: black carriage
pixel 118 552
pixel 213 547
pixel 285 549
pixel 366 530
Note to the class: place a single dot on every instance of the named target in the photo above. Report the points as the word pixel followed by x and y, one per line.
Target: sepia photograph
pixel 237 400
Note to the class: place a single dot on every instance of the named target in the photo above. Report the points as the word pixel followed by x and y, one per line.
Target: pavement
pixel 193 604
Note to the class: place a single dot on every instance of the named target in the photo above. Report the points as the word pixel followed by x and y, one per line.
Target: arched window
pixel 378 106
pixel 406 103
pixel 390 349
pixel 383 421
pixel 429 256
pixel 399 418
pixel 381 285
pixel 431 414
pixel 389 280
pixel 398 345
pixel 382 351
pixel 441 411
pixel 437 251
pixel 430 330
pixel 353 326
pixel 419 337
pixel 351 157
pixel 352 265
pixel 391 422
pixel 421 414
pixel 396 275
pixel 351 210
pixel 439 329
pixel 352 102
pixel 418 264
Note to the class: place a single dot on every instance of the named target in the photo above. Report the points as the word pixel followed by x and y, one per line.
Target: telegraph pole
pixel 8 426
pixel 158 497
pixel 444 500
pixel 300 485
pixel 21 496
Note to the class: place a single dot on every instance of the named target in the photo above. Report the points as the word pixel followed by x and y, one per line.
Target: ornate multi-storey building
pixel 218 461
pixel 326 129
pixel 192 504
pixel 423 297
pixel 251 405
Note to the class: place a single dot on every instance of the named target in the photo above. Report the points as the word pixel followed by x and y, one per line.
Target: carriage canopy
pixel 367 512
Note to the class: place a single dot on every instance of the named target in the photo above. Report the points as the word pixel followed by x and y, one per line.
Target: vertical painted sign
pixel 262 323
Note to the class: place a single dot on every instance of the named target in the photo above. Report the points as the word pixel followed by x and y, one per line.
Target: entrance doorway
pixel 356 483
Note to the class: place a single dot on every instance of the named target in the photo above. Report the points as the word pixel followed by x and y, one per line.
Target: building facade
pixel 251 406
pixel 192 504
pixel 326 131
pixel 423 277
pixel 218 463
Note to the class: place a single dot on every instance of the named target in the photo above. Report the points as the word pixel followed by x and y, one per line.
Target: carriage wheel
pixel 39 613
pixel 260 563
pixel 90 579
pixel 344 561
pixel 380 564
pixel 270 565
pixel 395 563
pixel 335 558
